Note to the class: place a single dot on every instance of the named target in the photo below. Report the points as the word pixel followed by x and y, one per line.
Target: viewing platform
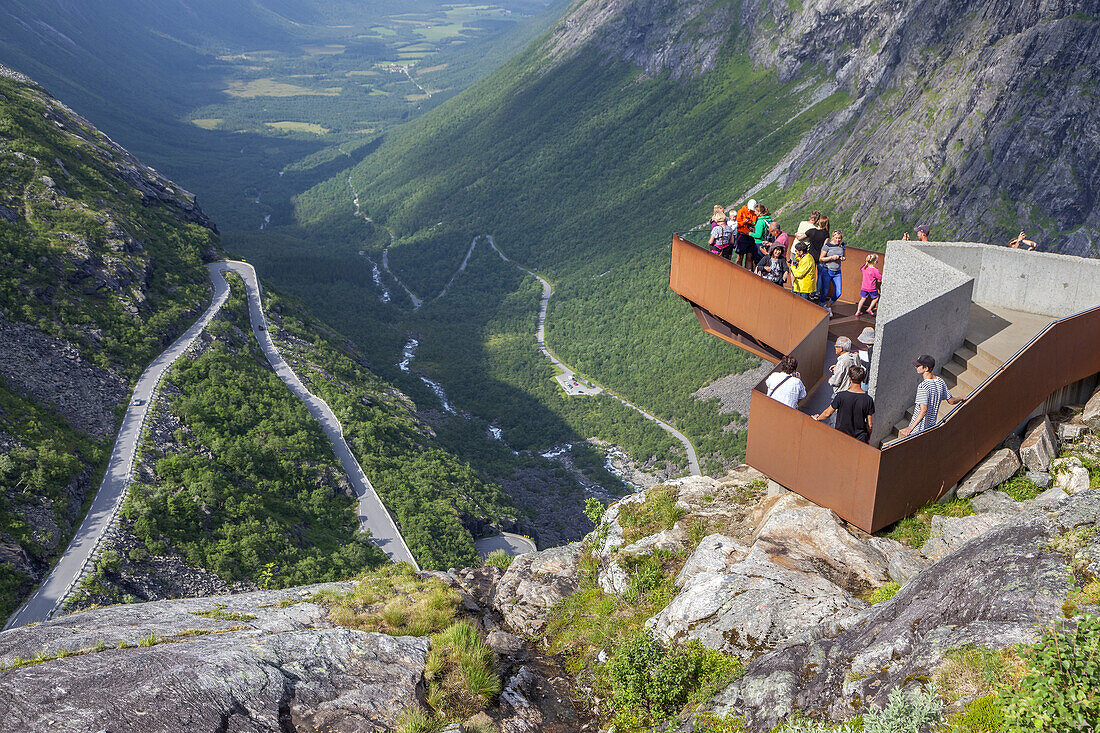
pixel 1016 332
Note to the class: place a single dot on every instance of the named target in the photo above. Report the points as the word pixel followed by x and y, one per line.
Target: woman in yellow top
pixel 804 271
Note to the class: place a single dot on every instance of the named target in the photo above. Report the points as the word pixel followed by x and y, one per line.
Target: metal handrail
pixel 1031 342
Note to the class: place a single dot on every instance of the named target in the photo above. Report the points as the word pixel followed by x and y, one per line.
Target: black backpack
pixel 768 236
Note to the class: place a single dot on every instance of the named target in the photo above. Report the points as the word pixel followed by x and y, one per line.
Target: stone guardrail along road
pixel 112 490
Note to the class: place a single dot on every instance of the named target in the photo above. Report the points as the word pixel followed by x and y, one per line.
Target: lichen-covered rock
pixel 226 663
pixel 993 591
pixel 1070 475
pixel 715 554
pixel 999 467
pixel 754 606
pixel 951 533
pixel 997 502
pixel 798 535
pixel 533 583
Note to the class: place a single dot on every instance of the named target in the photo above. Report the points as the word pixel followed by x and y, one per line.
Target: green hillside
pixel 588 200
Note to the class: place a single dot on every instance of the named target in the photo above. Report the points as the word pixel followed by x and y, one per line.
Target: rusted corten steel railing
pixel 917 470
pixel 868 487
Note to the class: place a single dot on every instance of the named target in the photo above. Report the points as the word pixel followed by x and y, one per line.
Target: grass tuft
pixel 461 671
pixel 657 513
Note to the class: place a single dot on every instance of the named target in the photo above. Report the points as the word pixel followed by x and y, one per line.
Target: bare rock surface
pixel 753 606
pixel 1040 444
pixel 992 591
pixel 1000 466
pixel 533 583
pixel 265 661
pixel 1070 475
pixel 714 554
pixel 53 372
pixel 951 533
pixel 799 535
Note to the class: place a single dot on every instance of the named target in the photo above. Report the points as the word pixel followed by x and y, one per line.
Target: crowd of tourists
pixel 810 259
pixel 851 410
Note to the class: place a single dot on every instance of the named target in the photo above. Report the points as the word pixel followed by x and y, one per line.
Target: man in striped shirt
pixel 930 392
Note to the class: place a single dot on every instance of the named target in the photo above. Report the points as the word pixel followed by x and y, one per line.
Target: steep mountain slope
pixel 100 266
pixel 630 119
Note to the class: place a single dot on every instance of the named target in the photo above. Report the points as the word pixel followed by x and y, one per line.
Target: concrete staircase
pixel 994 335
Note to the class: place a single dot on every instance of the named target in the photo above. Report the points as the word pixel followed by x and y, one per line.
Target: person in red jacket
pixel 746 223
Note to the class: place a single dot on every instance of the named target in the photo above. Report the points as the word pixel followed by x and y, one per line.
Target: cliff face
pixel 974 117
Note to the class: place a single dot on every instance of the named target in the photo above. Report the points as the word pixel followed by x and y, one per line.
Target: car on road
pixel 262 327
pixel 137 402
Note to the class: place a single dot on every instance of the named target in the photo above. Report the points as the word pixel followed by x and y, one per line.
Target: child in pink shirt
pixel 872 278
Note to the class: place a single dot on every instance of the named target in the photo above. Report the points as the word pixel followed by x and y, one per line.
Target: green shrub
pixel 1020 488
pixel 394 600
pixel 499 559
pixel 651 683
pixel 905 712
pixel 593 509
pixel 984 715
pixel 417 720
pixel 1061 690
pixel 883 593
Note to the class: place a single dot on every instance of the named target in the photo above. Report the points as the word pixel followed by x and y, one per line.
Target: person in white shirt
pixel 784 384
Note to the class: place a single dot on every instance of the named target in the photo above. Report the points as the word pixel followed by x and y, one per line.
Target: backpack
pixel 768 236
pixel 722 234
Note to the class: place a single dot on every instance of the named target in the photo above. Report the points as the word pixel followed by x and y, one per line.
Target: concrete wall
pixel 1037 282
pixel 924 310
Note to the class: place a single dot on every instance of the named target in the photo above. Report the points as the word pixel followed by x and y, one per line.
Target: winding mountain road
pixel 540 333
pixel 540 338
pixel 112 490
pixel 373 515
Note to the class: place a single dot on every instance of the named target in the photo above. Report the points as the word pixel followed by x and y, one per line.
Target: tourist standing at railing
pixel 807 225
pixel 718 210
pixel 845 358
pixel 931 391
pixel 868 289
pixel 785 384
pixel 778 236
pixel 818 239
pixel 721 235
pixel 854 408
pixel 804 271
pixel 761 233
pixel 832 254
pixel 746 222
pixel 922 231
pixel 867 338
pixel 774 267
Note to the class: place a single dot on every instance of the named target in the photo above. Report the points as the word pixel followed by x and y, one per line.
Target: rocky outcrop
pixel 753 606
pixel 993 591
pixel 266 661
pixel 533 584
pixel 52 372
pixel 1040 444
pixel 800 575
pixel 999 467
